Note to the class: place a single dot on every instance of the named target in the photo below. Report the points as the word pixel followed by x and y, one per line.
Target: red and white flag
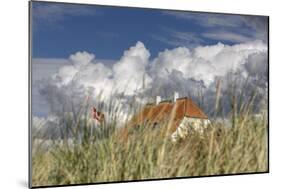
pixel 96 115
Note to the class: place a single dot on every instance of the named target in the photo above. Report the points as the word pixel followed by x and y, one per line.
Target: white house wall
pixel 187 125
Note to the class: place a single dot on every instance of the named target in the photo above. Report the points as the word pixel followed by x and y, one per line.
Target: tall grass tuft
pixel 123 154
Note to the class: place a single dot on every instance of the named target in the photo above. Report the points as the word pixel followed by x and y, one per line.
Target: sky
pixel 62 29
pixel 129 53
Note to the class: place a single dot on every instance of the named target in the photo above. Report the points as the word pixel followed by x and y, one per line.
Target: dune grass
pixel 123 154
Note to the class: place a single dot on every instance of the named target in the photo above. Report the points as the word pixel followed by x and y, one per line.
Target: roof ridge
pixel 165 101
pixel 184 98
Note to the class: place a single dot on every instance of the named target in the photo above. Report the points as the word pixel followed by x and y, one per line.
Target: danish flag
pixel 96 115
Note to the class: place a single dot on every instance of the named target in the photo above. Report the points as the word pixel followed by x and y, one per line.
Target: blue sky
pixel 63 29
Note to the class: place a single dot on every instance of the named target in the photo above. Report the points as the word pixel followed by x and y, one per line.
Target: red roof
pixel 168 112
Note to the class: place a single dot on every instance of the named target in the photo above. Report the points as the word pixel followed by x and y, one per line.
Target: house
pixel 181 115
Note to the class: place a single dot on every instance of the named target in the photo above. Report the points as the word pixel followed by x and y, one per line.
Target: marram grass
pixel 148 153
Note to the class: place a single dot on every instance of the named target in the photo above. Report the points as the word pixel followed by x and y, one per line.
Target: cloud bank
pixel 137 78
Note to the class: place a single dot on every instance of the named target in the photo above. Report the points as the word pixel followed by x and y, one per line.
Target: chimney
pixel 158 99
pixel 176 96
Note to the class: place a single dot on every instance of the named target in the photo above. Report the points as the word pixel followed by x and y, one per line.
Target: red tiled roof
pixel 168 112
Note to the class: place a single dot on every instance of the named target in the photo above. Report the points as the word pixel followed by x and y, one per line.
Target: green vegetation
pixel 115 154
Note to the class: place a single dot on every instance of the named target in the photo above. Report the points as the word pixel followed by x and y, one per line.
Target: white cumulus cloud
pixel 130 71
pixel 135 76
